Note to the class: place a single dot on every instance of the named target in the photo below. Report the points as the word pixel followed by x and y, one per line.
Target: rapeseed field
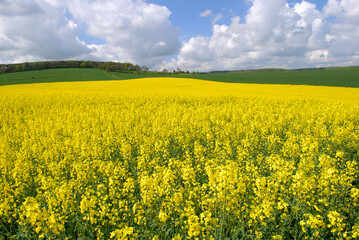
pixel 166 158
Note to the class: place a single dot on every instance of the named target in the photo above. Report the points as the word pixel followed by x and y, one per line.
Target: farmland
pixel 61 75
pixel 340 77
pixel 178 158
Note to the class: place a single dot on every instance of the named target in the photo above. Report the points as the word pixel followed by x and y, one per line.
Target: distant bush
pixel 31 66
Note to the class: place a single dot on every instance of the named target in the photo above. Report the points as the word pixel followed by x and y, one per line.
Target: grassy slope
pixel 59 75
pixel 329 77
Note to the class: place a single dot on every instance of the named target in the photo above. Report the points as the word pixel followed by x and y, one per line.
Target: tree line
pixel 108 66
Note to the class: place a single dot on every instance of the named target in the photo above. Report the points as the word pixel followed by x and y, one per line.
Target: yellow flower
pixel 201 159
pixel 277 237
pixel 122 234
pixel 163 216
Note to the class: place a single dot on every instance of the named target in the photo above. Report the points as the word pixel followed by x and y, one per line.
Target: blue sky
pixel 194 35
pixel 185 13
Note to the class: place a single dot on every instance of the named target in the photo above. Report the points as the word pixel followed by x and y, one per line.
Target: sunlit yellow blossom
pixel 122 233
pixel 167 158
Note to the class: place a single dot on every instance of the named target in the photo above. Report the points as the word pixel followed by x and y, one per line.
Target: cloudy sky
pixel 194 35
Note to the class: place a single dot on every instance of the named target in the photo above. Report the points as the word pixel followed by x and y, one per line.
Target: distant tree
pixel 41 65
pixel 137 68
pixel 2 69
pixel 164 71
pixel 91 64
pixel 122 67
pixel 129 66
pixel 145 69
pixel 179 70
pixel 73 64
pixel 10 68
pixel 84 64
pixel 25 66
pixel 108 66
pixel 34 66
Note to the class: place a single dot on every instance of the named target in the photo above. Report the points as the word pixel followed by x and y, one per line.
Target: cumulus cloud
pixel 35 30
pixel 133 30
pixel 272 34
pixel 343 29
pixel 275 34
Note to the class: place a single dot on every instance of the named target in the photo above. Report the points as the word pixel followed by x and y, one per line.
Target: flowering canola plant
pixel 166 158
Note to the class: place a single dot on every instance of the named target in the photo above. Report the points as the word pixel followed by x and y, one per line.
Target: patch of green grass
pixel 69 75
pixel 329 77
pixel 56 75
pixel 339 77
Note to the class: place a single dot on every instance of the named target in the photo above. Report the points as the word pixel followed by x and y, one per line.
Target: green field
pixel 329 77
pixel 62 75
pixel 340 77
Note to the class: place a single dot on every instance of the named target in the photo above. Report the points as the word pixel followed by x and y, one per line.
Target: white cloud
pixel 35 30
pixel 133 30
pixel 217 18
pixel 205 13
pixel 272 34
pixel 343 30
pixel 345 11
pixel 276 34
